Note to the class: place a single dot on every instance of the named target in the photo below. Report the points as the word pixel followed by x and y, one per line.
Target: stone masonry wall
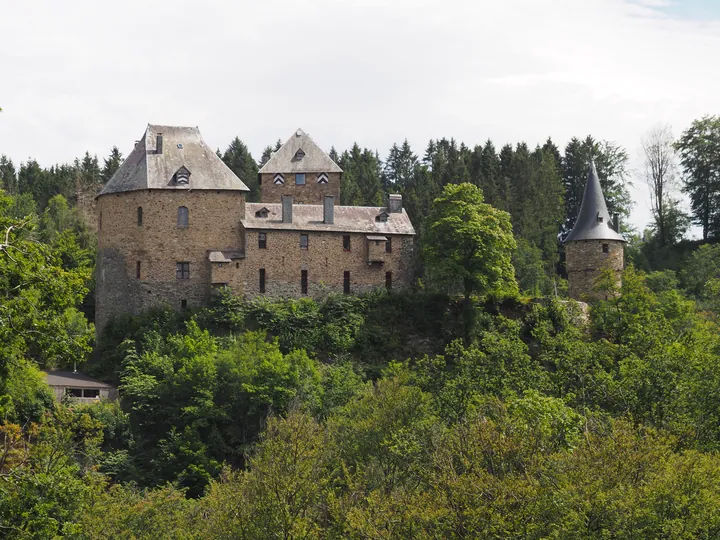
pixel 310 193
pixel 158 244
pixel 325 260
pixel 584 261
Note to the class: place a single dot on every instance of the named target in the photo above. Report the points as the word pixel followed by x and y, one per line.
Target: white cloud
pixel 83 75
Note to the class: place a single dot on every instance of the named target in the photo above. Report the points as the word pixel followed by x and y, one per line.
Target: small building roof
pixel 225 255
pixel 147 168
pixel 309 217
pixel 314 159
pixel 74 379
pixel 593 221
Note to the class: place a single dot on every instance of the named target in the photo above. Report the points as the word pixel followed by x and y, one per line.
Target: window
pixel 262 213
pixel 182 176
pixel 322 178
pixel 346 282
pixel 388 245
pixel 303 241
pixel 262 240
pixel 303 282
pixel 346 242
pixel 183 304
pixel 382 216
pixel 388 280
pixel 91 392
pixel 237 265
pixel 183 217
pixel 137 270
pixel 182 270
pixel 299 155
pixel 139 212
pixel 606 248
pixel 300 179
pixel 262 280
pixel 82 392
pixel 100 222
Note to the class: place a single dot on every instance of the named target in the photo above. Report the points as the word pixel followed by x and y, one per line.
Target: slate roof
pixel 314 161
pixel 74 379
pixel 309 217
pixel 588 225
pixel 225 255
pixel 144 168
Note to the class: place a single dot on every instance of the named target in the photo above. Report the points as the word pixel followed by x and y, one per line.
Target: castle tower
pixel 301 170
pixel 593 244
pixel 169 216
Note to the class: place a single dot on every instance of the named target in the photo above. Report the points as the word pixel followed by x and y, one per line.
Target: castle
pixel 173 226
pixel 593 244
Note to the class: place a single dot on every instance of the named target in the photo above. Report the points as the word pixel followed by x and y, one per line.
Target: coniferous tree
pixel 238 158
pixel 112 164
pixel 362 177
pixel 268 152
pixel 8 175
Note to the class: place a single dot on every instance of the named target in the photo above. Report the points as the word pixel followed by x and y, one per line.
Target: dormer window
pixel 279 179
pixel 182 176
pixel 262 213
pixel 382 216
pixel 299 155
pixel 322 178
pixel 599 218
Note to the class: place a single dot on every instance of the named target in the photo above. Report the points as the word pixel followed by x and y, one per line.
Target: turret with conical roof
pixel 592 245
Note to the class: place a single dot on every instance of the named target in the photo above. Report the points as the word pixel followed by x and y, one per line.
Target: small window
pixel 91 393
pixel 137 270
pixel 300 179
pixel 183 304
pixel 346 242
pixel 299 155
pixel 388 280
pixel 262 280
pixel 388 245
pixel 383 217
pixel 304 281
pixel 322 178
pixel 262 240
pixel 183 216
pixel 606 248
pixel 74 392
pixel 182 176
pixel 262 213
pixel 237 265
pixel 182 270
pixel 346 282
pixel 100 221
pixel 303 241
pixel 599 218
pixel 139 216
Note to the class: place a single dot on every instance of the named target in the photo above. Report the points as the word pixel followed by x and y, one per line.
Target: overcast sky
pixel 89 74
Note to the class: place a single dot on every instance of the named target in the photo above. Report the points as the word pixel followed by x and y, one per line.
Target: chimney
pixel 329 210
pixel 287 202
pixel 159 144
pixel 616 223
pixel 395 203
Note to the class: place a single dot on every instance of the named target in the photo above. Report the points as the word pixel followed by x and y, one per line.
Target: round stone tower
pixel 593 244
pixel 167 219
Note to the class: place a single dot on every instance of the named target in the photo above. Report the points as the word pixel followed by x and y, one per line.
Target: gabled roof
pixel 314 161
pixel 593 221
pixel 74 379
pixel 145 168
pixel 309 217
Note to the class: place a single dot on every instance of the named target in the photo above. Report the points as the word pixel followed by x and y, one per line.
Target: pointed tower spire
pixel 593 221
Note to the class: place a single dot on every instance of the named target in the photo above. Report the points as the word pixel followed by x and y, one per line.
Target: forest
pixel 499 409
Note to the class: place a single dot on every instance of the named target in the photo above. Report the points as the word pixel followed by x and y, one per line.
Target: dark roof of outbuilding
pixel 145 168
pixel 309 217
pixel 593 221
pixel 314 159
pixel 74 379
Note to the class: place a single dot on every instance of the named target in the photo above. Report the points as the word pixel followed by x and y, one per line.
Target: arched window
pixel 183 217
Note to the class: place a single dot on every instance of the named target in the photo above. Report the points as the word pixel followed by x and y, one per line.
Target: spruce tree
pixel 112 164
pixel 238 158
pixel 8 175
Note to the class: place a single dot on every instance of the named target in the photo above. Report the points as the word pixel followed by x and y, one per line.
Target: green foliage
pixel 470 244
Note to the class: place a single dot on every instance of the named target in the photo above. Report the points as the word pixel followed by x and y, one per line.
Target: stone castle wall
pixel 585 260
pixel 158 244
pixel 325 260
pixel 310 193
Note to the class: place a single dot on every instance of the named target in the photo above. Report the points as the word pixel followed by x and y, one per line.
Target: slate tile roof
pixel 314 159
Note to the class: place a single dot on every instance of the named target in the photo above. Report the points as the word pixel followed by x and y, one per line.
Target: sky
pixel 88 74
